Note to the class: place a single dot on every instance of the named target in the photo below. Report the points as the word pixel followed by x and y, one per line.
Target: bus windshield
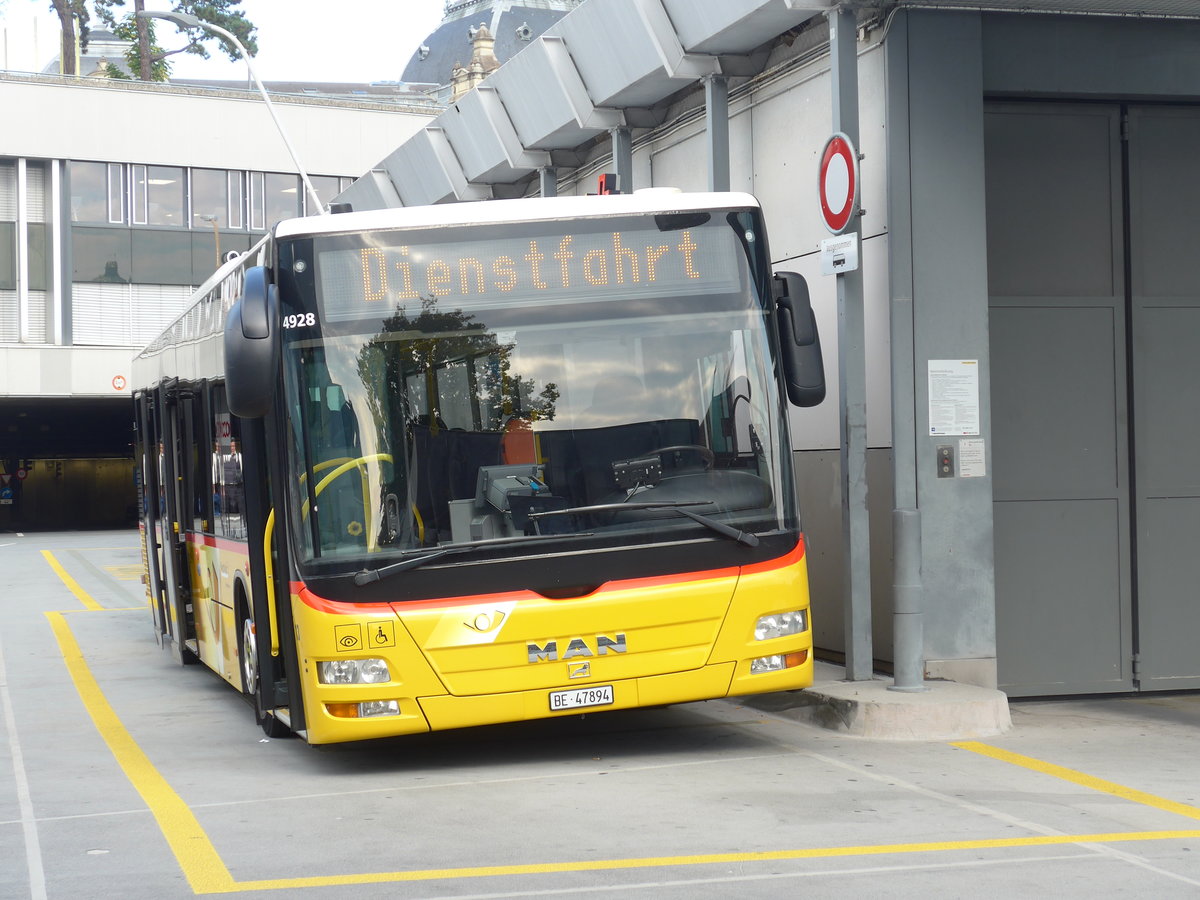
pixel 512 384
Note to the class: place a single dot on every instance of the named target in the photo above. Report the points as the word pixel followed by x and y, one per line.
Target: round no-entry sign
pixel 837 183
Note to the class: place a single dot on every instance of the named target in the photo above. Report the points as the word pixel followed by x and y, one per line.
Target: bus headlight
pixel 778 663
pixel 365 710
pixel 353 671
pixel 780 625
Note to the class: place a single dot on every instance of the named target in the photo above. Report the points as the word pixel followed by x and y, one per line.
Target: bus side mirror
pixel 252 346
pixel 799 342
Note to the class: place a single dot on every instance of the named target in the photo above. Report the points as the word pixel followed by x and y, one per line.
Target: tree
pixel 145 57
pixel 69 13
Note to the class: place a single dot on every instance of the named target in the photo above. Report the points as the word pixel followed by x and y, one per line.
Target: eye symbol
pixel 348 641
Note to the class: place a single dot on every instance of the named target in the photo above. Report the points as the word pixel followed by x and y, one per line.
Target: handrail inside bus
pixel 270 569
pixel 269 531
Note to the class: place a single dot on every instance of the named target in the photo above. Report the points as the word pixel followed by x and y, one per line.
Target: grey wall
pixel 939 259
pixel 1066 57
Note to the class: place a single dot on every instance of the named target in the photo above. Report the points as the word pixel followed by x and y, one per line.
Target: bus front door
pixel 173 517
pixel 148 443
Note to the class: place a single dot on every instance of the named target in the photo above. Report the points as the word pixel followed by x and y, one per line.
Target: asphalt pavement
pixel 125 775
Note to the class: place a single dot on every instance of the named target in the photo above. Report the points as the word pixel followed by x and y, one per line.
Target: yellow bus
pixel 433 467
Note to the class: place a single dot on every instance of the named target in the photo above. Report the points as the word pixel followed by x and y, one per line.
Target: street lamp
pixel 185 20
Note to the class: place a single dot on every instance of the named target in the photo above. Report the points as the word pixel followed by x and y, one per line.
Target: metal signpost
pixel 839 192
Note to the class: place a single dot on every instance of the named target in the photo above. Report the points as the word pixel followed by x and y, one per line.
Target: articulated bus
pixel 424 468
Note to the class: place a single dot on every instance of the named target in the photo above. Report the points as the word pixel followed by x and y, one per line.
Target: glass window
pixel 8 256
pixel 39 255
pixel 116 193
pixel 281 196
pixel 630 379
pixel 328 187
pixel 227 480
pixel 8 191
pixel 161 257
pixel 101 254
pixel 209 251
pixel 158 196
pixel 89 192
pixel 237 199
pixel 165 196
pixel 210 198
pixel 258 216
pixel 138 178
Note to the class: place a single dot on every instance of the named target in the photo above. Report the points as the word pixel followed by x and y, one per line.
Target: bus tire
pixel 251 689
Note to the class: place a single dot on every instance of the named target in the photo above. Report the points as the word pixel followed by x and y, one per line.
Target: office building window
pixel 210 198
pixel 159 196
pixel 328 187
pixel 8 226
pixel 117 195
pixel 258 216
pixel 281 196
pixel 102 255
pixel 236 184
pixel 90 195
pixel 162 257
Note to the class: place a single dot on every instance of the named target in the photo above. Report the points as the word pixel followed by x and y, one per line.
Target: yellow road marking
pixel 207 873
pixel 130 572
pixel 194 852
pixel 67 612
pixel 709 859
pixel 1080 778
pixel 72 585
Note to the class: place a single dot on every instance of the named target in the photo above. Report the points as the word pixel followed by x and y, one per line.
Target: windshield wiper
pixel 367 576
pixel 680 506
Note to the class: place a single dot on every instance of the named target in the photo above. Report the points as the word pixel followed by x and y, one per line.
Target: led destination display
pixel 367 281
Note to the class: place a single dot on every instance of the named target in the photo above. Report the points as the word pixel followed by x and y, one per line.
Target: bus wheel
pixel 248 651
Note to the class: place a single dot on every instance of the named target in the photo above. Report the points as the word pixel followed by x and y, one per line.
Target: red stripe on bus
pixel 340 607
pixel 210 540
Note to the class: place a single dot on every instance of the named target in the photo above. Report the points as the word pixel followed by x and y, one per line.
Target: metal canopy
pixel 425 171
pixel 547 100
pixel 737 26
pixel 628 52
pixel 571 85
pixel 1183 9
pixel 485 141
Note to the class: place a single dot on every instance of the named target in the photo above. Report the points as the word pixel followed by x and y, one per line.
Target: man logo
pixel 577 647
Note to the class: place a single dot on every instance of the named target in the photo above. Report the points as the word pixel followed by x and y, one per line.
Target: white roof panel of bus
pixel 650 200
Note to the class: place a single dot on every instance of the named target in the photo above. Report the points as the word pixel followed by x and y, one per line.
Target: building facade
pixel 117 199
pixel 1025 219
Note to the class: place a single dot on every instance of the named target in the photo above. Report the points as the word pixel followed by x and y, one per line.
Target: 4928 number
pixel 299 320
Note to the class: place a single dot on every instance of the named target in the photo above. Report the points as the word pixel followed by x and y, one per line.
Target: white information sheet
pixel 954 396
pixel 971 459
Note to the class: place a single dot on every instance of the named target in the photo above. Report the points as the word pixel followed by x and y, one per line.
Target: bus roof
pixel 649 200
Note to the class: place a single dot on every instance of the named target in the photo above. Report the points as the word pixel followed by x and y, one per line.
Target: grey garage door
pixel 1094 277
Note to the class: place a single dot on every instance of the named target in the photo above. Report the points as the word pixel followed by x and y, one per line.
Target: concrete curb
pixel 948 711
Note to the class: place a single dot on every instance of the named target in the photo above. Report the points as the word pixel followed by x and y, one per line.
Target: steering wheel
pixel 339 468
pixel 706 455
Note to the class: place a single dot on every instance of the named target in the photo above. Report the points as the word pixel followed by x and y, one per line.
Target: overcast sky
pixel 298 40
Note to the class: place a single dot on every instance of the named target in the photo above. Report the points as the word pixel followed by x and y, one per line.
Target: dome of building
pixel 513 24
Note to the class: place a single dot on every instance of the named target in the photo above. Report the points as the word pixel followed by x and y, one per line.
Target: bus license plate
pixel 597 695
